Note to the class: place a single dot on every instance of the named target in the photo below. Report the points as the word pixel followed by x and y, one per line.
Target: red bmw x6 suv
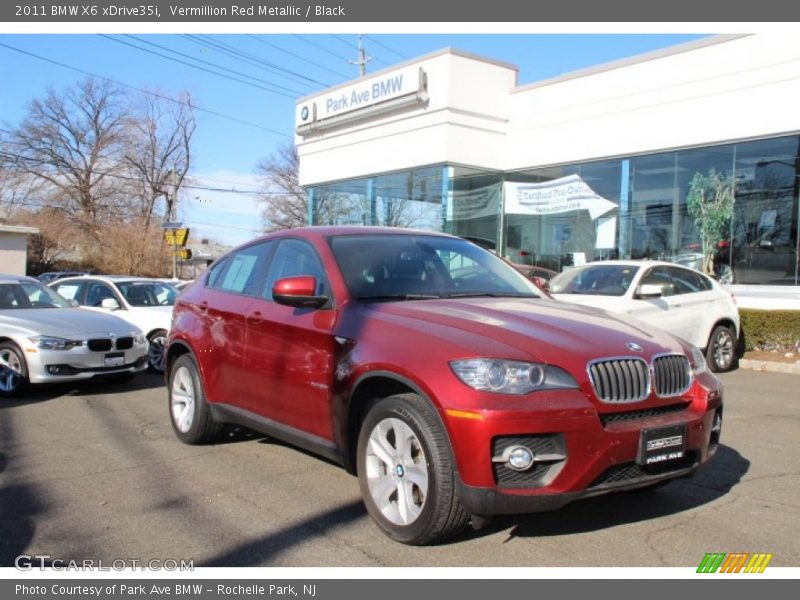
pixel 437 373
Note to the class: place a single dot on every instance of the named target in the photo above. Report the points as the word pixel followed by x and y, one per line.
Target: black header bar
pixel 361 11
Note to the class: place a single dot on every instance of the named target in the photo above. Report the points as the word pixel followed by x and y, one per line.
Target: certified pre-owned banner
pixel 497 11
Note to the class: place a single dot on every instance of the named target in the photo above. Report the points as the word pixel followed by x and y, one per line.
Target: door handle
pixel 203 306
pixel 254 317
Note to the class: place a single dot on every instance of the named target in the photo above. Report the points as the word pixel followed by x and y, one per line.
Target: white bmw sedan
pixel 679 300
pixel 44 338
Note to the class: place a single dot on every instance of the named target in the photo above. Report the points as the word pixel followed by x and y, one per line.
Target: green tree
pixel 710 204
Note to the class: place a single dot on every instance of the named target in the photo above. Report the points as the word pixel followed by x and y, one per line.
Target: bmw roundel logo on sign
pixel 304 113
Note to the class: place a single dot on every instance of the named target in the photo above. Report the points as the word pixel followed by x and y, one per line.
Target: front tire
pixel 406 472
pixel 13 371
pixel 721 351
pixel 155 354
pixel 189 412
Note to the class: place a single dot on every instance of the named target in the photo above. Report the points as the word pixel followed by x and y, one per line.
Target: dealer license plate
pixel 661 445
pixel 115 359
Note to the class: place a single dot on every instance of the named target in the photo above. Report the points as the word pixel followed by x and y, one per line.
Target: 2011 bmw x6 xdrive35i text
pixel 437 373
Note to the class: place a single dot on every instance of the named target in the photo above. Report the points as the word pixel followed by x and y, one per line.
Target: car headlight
pixel 47 342
pixel 698 361
pixel 139 339
pixel 511 376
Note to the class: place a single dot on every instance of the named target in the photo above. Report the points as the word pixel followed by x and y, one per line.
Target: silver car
pixel 44 338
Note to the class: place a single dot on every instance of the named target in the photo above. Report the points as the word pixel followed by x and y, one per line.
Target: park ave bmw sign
pixel 364 94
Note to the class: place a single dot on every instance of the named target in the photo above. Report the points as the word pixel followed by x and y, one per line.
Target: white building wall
pixel 707 92
pixel 464 121
pixel 738 89
pixel 13 253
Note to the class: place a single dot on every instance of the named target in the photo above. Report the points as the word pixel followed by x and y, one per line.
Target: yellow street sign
pixel 176 237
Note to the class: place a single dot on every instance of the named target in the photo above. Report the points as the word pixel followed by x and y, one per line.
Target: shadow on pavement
pixel 711 482
pixel 260 551
pixel 19 504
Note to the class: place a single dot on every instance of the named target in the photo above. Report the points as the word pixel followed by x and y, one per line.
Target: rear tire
pixel 721 351
pixel 13 371
pixel 155 353
pixel 189 412
pixel 406 472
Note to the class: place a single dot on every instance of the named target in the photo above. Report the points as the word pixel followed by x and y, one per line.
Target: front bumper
pixel 77 364
pixel 598 454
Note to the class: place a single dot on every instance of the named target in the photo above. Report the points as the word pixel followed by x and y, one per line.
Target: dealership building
pixel 590 165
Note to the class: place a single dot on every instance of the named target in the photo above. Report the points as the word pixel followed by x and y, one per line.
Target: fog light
pixel 53 369
pixel 519 458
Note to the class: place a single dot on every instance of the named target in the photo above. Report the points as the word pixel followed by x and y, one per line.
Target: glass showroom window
pixel 403 199
pixel 562 216
pixel 472 209
pixel 764 243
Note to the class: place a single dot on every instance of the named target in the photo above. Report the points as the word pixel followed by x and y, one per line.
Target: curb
pixel 769 366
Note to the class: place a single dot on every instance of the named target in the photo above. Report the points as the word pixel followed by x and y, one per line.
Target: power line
pixel 148 92
pixel 320 47
pixel 298 56
pixel 198 67
pixel 116 212
pixel 248 58
pixel 385 47
pixel 114 175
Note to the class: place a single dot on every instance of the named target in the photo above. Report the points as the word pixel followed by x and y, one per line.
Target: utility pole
pixel 172 212
pixel 363 59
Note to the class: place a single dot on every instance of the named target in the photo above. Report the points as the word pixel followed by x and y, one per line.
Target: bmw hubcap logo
pixel 399 470
pixel 634 346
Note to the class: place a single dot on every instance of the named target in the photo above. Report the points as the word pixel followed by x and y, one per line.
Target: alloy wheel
pixel 182 399
pixel 396 471
pixel 155 354
pixel 10 371
pixel 723 349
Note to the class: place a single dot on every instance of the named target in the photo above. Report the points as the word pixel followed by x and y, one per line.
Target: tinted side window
pixel 98 292
pixel 243 270
pixel 70 290
pixel 687 281
pixel 659 276
pixel 294 258
pixel 215 275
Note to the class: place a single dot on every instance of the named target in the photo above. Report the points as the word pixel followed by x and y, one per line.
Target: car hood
pixel 541 329
pixel 148 318
pixel 612 303
pixel 63 322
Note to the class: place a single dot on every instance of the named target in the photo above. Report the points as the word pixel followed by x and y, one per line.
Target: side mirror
pixel 299 292
pixel 73 303
pixel 542 284
pixel 110 303
pixel 649 290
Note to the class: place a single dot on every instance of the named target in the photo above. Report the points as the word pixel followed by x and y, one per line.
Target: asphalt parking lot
pixel 95 473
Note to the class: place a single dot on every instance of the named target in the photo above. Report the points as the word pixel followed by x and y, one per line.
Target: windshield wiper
pixel 387 297
pixel 489 295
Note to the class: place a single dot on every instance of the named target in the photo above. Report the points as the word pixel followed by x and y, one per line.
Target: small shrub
pixel 771 329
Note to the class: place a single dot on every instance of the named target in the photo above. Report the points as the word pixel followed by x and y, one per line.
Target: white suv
pixel 146 303
pixel 677 299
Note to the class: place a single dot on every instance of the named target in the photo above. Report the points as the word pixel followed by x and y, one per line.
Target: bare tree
pixel 159 151
pixel 285 202
pixel 69 141
pixel 104 161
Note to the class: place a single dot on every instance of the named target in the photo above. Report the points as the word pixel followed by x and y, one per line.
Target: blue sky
pixel 290 66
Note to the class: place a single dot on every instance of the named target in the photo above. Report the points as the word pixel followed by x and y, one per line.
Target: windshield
pixel 409 267
pixel 597 280
pixel 148 293
pixel 29 294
